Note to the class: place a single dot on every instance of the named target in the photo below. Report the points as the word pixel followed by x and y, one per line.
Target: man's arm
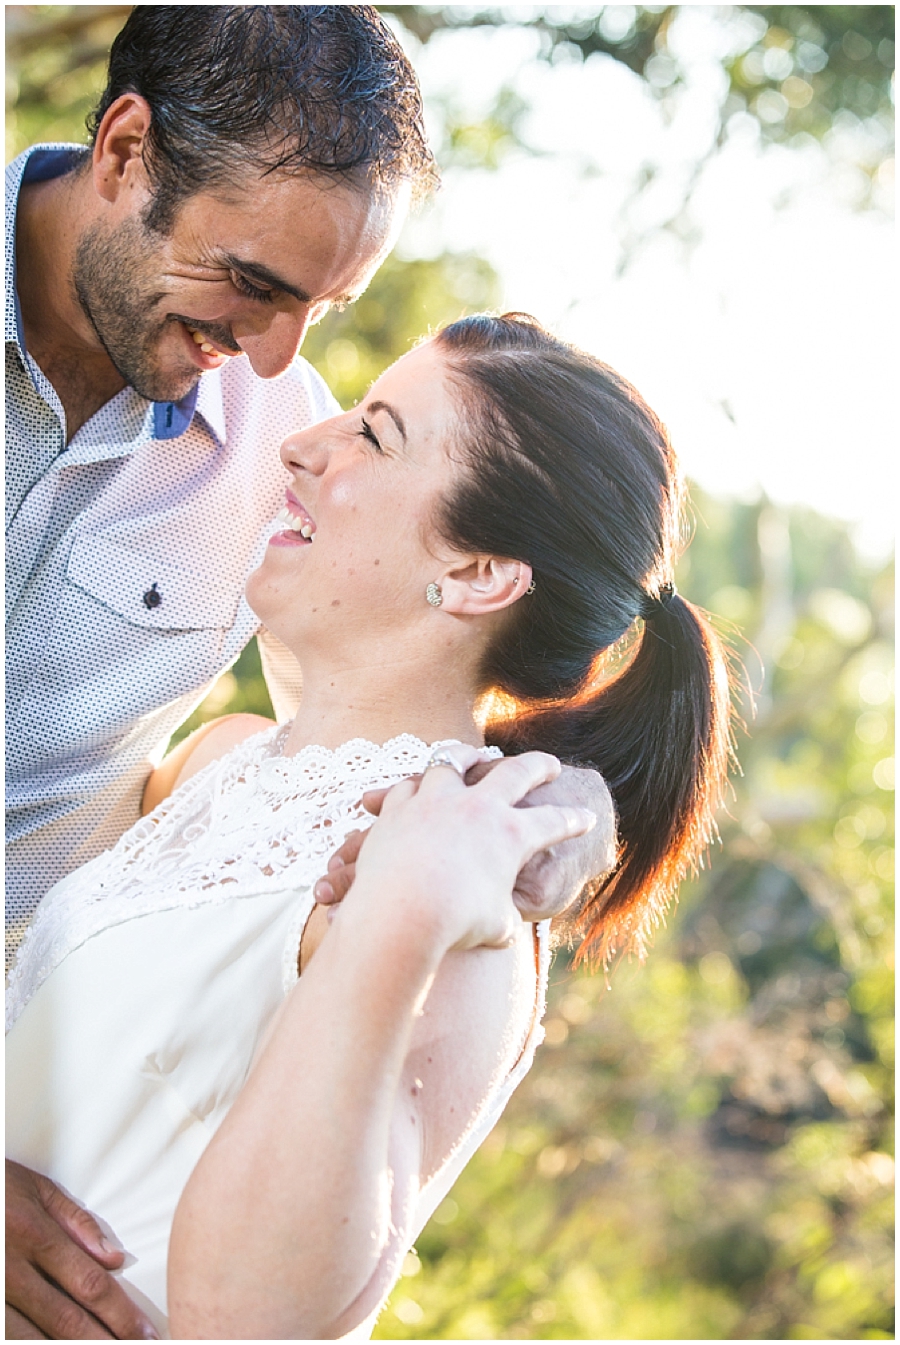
pixel 281 670
pixel 553 880
pixel 58 1263
pixel 549 883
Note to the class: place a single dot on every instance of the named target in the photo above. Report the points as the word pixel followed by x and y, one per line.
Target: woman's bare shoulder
pixel 207 743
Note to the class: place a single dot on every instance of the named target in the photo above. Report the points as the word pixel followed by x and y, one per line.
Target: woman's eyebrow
pixel 394 415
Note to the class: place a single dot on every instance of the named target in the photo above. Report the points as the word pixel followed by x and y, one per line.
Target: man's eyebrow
pixel 262 273
pixel 389 410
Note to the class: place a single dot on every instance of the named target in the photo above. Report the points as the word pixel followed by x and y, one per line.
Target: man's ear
pixel 117 157
pixel 483 584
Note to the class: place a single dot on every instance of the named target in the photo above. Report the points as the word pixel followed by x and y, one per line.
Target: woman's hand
pixel 451 853
pixel 294 1222
pixel 547 884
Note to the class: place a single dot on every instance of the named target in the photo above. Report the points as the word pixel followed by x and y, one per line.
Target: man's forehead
pixel 283 189
pixel 261 223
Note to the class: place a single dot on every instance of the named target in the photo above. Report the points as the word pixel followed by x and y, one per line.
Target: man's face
pixel 242 273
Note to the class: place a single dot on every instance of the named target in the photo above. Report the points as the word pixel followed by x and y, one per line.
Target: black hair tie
pixel 652 602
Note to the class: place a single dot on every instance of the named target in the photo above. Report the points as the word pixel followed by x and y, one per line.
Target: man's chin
pixel 164 387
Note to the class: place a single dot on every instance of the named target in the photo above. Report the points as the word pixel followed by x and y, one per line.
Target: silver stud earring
pixel 434 595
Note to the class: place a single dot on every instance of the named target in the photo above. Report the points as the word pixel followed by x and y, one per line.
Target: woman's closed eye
pixel 368 433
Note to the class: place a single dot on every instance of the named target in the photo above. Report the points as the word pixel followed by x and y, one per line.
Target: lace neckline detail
pixel 254 822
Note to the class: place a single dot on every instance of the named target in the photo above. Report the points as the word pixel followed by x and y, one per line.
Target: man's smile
pixel 205 352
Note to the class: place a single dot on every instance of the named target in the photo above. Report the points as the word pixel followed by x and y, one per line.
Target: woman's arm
pixel 207 743
pixel 296 1219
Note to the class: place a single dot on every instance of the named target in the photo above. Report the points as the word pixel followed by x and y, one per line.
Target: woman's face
pixel 364 486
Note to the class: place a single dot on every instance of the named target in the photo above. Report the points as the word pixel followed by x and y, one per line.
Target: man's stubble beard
pixel 113 274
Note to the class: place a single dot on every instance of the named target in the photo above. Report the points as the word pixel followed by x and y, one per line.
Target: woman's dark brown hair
pixel 575 475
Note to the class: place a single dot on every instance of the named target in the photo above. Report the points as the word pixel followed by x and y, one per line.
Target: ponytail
pixel 659 733
pixel 572 472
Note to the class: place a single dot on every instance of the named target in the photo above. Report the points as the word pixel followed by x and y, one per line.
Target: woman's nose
pixel 306 451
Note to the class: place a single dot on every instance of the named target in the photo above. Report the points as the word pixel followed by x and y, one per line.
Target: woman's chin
pixel 261 599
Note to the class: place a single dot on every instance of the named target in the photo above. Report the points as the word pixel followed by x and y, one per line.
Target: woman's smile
pixel 364 487
pixel 299 529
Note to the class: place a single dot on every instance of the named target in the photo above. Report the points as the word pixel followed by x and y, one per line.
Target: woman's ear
pixel 483 584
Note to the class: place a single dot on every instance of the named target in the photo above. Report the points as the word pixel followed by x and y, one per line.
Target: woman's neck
pixel 381 698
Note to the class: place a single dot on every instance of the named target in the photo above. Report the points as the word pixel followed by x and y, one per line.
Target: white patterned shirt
pixel 127 552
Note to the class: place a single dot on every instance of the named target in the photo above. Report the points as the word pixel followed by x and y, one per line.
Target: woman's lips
pixel 288 538
pixel 297 516
pixel 300 529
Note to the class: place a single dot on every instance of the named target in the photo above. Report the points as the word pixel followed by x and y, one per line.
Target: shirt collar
pixel 39 164
pixel 170 419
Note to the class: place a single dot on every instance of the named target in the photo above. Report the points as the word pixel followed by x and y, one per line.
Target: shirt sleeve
pixel 280 668
pixel 322 402
pixel 282 673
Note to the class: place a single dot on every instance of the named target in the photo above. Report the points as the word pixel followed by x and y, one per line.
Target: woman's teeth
pixel 296 524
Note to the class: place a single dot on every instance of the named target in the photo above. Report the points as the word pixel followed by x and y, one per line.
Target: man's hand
pixel 551 881
pixel 58 1285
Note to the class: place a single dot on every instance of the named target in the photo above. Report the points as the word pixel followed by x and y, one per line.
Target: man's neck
pixel 58 335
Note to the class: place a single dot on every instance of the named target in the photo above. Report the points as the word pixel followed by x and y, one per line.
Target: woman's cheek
pixel 343 495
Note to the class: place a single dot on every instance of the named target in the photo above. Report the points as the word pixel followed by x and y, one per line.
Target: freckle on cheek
pixel 336 602
pixel 376 562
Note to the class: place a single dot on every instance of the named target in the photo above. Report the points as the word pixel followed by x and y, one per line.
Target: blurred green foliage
pixel 799 71
pixel 55 69
pixel 703 1149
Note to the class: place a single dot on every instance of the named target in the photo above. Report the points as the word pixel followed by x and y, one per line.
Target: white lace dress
pixel 148 977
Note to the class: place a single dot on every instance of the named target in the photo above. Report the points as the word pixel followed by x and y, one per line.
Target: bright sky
pixel 765 343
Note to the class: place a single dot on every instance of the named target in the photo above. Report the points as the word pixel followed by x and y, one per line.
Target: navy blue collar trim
pixel 45 164
pixel 170 419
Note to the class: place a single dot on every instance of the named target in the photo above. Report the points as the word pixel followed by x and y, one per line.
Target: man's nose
pixel 271 348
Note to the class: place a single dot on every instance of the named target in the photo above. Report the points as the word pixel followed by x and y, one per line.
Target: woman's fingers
pixel 440 775
pixel 514 777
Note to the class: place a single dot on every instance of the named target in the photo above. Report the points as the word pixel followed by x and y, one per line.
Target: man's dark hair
pixel 325 88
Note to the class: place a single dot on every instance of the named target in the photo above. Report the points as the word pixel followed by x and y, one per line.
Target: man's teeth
pixel 204 344
pixel 296 524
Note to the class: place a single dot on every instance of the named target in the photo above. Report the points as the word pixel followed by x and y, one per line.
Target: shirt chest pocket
pixel 147 591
